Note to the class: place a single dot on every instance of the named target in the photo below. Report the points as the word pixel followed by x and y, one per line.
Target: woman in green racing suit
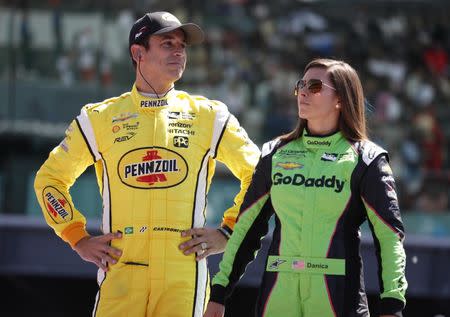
pixel 321 181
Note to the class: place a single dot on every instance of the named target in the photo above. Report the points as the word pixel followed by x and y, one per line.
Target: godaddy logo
pixel 301 180
pixel 315 142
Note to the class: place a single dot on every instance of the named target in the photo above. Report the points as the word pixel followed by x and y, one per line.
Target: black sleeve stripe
pixel 221 135
pixel 85 139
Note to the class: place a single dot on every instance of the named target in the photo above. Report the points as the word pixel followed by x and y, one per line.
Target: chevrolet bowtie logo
pixel 289 165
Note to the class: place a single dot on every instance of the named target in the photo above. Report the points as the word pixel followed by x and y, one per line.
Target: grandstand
pixel 56 56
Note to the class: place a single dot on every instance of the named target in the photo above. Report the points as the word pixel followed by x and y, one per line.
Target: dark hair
pixel 352 120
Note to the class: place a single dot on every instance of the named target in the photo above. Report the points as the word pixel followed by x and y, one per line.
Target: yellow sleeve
pixel 240 155
pixel 64 165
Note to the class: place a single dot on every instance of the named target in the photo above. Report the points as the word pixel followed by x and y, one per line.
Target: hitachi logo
pixel 315 142
pixel 181 131
pixel 151 167
pixel 301 180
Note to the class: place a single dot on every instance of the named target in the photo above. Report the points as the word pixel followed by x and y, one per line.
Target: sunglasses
pixel 313 85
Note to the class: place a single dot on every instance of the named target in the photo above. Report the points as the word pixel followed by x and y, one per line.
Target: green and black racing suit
pixel 321 189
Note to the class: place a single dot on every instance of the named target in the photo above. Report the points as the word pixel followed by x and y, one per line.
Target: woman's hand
pixel 214 310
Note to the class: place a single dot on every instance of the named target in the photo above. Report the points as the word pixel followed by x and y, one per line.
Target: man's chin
pixel 176 74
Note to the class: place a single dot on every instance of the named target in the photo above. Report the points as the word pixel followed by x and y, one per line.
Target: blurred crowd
pixel 256 50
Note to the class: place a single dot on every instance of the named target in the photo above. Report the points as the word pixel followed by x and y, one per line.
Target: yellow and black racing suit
pixel 154 160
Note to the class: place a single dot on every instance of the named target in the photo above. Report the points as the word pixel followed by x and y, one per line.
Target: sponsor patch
pixel 181 131
pixel 329 157
pixel 129 126
pixel 181 115
pixel 57 205
pixel 152 168
pixel 128 230
pixel 300 180
pixel 115 129
pixel 291 153
pixel 126 137
pixel 289 165
pixel 154 103
pixel 181 141
pixel 124 117
pixel 180 125
pixel 318 143
pixel 275 264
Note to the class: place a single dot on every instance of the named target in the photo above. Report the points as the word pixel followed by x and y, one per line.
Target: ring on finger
pixel 204 245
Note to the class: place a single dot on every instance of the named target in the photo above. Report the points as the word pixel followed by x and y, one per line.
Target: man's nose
pixel 179 53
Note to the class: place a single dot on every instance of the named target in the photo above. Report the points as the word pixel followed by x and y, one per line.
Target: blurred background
pixel 56 56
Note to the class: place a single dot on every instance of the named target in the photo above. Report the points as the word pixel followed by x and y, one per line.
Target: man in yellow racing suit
pixel 154 153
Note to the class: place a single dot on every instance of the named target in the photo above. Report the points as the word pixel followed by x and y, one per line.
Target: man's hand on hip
pixel 98 251
pixel 205 241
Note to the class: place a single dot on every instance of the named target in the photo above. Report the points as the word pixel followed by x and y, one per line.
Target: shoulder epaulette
pixel 269 147
pixel 369 151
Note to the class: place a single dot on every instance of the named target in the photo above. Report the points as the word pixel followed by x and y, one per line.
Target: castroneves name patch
pixel 152 168
pixel 57 205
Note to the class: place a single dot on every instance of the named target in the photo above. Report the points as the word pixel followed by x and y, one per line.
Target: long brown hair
pixel 352 120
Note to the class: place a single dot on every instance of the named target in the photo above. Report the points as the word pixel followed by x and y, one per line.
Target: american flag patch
pixel 298 265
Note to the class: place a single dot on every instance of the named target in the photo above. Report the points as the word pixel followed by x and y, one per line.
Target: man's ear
pixel 136 52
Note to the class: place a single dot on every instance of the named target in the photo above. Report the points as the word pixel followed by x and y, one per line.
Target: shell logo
pixel 57 205
pixel 152 168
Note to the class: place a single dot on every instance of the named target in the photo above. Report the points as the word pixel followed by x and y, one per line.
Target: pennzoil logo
pixel 152 168
pixel 57 205
pixel 289 165
pixel 154 103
